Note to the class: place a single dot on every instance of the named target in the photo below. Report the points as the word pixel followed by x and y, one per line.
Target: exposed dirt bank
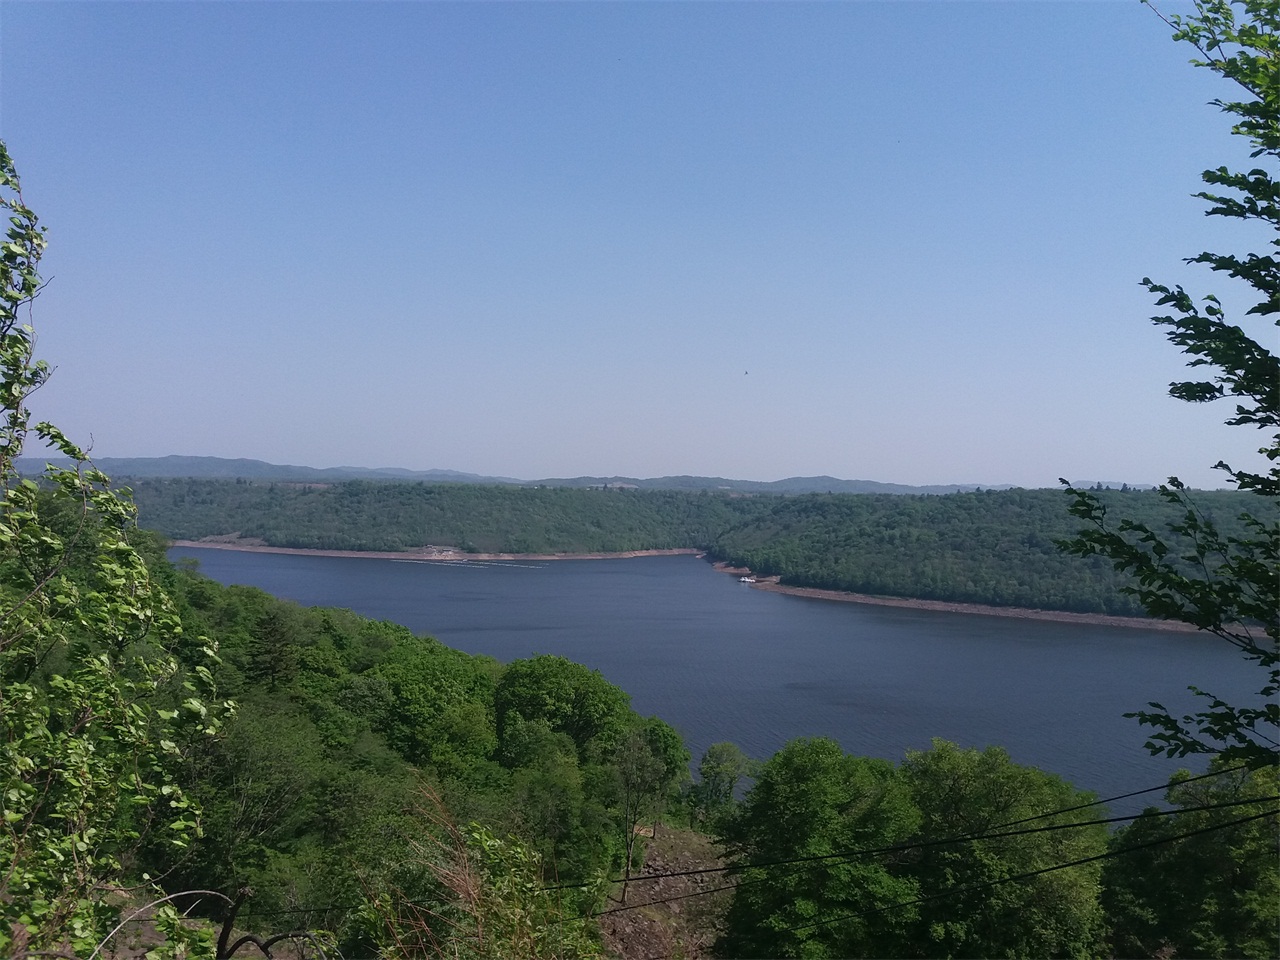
pixel 426 553
pixel 686 912
pixel 449 554
pixel 772 585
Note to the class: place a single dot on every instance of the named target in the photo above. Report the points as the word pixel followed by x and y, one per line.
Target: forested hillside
pixel 365 515
pixel 342 788
pixel 991 547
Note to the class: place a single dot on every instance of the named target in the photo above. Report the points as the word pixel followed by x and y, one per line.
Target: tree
pixel 546 785
pixel 651 761
pixel 569 697
pixel 1228 586
pixel 722 767
pixel 1218 890
pixel 978 914
pixel 101 692
pixel 437 705
pixel 666 744
pixel 273 652
pixel 639 780
pixel 811 800
pixel 816 826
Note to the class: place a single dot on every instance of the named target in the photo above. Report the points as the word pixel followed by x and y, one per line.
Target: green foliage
pixel 548 790
pixel 813 800
pixel 568 697
pixel 722 767
pixel 439 705
pixel 963 792
pixel 1225 582
pixel 1228 586
pixel 519 917
pixel 1216 894
pixel 315 776
pixel 273 656
pixel 816 804
pixel 994 547
pixel 103 696
pixel 312 796
pixel 652 763
pixel 367 515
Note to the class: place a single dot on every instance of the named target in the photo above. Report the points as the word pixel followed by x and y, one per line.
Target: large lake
pixel 720 661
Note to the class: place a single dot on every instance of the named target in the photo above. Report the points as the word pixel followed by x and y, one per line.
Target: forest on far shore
pixel 990 547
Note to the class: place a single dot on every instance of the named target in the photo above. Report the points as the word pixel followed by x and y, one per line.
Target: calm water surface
pixel 720 661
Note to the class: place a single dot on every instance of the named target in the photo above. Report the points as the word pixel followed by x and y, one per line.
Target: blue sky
pixel 896 241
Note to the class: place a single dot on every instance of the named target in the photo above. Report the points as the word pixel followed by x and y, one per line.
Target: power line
pixel 1127 796
pixel 908 846
pixel 682 896
pixel 990 883
pixel 1012 823
pixel 848 854
pixel 965 838
pixel 1035 873
pixel 933 897
pixel 842 855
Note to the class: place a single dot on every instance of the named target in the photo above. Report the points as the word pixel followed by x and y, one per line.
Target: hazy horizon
pixel 880 241
pixel 510 477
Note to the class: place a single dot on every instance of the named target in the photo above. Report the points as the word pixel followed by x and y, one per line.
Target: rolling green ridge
pixel 990 547
pixel 363 515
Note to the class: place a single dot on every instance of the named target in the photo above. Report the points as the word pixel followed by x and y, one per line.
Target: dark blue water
pixel 720 661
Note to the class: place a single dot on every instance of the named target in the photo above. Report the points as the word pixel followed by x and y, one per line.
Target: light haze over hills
pixel 248 469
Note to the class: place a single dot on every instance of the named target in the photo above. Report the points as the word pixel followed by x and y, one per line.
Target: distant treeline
pixel 992 547
pixel 995 547
pixel 370 515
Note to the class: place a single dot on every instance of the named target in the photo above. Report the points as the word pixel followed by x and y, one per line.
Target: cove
pixel 720 661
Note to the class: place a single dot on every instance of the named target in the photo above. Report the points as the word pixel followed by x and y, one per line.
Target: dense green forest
pixel 354 738
pixel 370 515
pixel 992 547
pixel 362 768
pixel 354 741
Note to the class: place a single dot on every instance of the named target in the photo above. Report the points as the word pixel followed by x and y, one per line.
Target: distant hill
pixel 220 468
pixel 789 485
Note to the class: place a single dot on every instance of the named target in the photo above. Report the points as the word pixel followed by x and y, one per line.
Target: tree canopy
pixel 1213 893
pixel 847 856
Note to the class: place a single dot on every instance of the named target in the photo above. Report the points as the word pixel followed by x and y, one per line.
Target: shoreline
pixel 769 584
pixel 433 554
